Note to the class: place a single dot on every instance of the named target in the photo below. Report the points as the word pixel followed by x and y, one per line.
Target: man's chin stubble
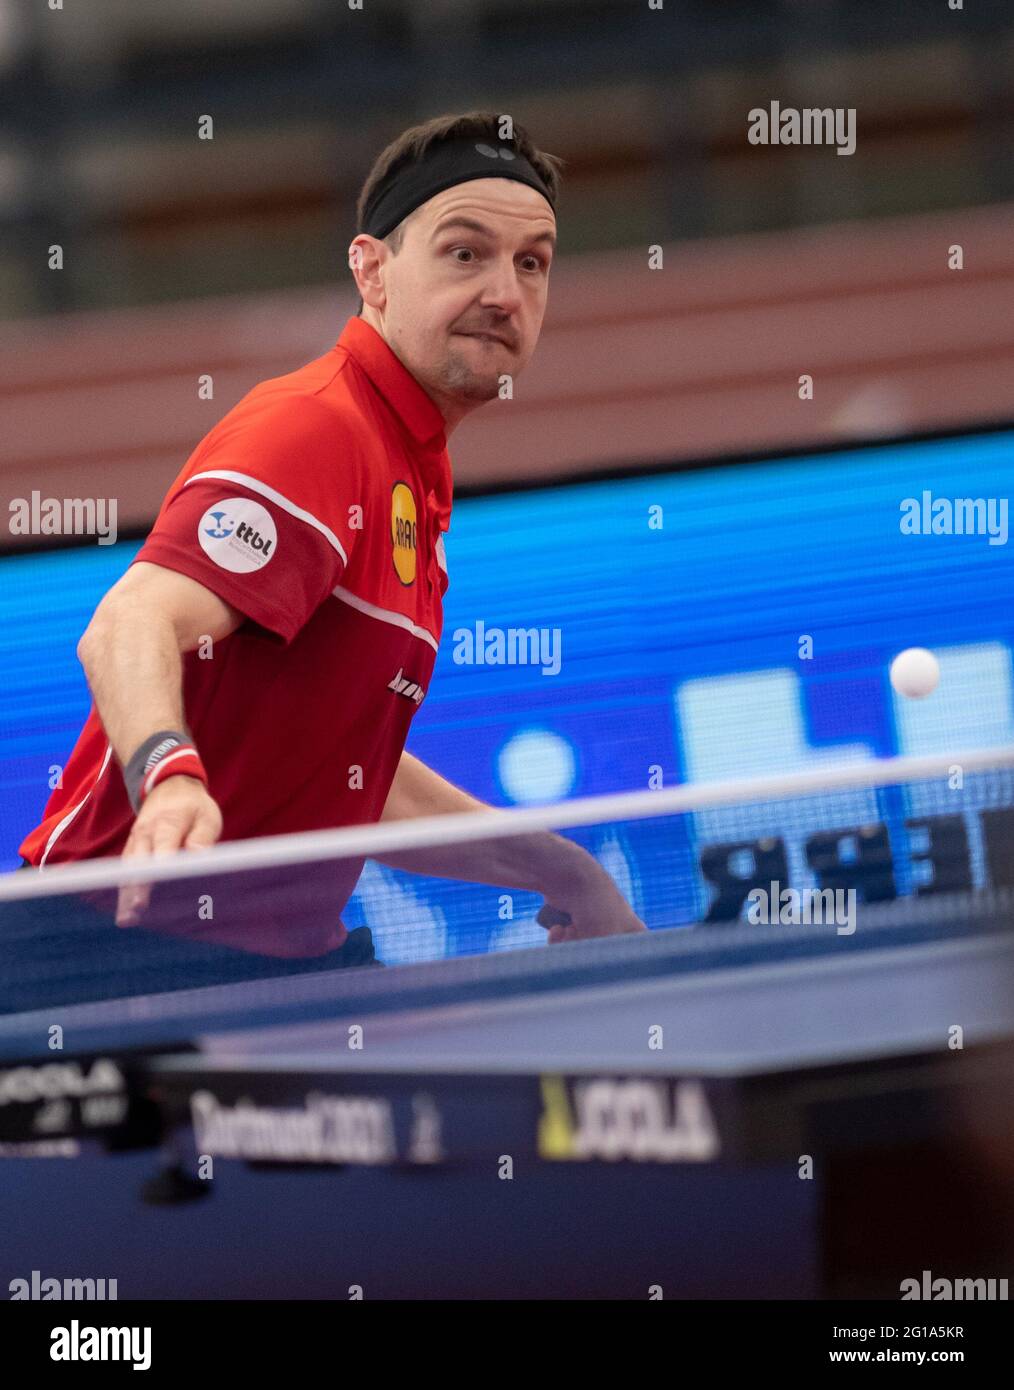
pixel 460 380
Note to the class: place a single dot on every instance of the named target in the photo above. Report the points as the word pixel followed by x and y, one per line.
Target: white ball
pixel 915 673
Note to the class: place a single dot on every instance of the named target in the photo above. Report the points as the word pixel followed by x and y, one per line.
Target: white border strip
pixel 363 841
pixel 385 615
pixel 255 485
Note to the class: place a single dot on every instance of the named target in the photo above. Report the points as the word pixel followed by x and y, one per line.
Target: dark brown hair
pixel 411 144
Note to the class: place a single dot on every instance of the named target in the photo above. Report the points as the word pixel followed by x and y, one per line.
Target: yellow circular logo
pixel 403 532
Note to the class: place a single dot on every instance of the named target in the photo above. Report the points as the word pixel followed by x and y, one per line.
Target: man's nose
pixel 502 288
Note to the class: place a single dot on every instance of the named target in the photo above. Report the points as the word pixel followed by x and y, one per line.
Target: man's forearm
pixel 541 862
pixel 134 670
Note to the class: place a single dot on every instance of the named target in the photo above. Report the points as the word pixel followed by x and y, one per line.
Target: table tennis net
pixel 809 851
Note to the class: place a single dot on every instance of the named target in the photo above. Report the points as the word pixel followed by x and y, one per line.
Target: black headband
pixel 442 166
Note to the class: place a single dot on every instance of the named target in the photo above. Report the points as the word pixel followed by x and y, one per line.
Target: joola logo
pixel 58 1081
pixel 410 689
pixel 491 152
pixel 613 1118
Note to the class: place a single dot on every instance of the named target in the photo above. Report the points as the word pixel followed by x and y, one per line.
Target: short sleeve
pixel 258 519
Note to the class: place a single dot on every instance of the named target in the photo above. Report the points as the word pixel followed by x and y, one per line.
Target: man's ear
pixel 366 261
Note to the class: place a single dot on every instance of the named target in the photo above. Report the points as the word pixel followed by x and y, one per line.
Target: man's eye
pixel 459 250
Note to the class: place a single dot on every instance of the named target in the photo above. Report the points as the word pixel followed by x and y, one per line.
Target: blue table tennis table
pixel 720 1111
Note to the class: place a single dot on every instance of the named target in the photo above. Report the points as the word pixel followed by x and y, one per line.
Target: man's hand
pixel 178 814
pixel 594 907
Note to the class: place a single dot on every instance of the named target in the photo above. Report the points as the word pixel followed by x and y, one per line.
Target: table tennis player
pixel 256 669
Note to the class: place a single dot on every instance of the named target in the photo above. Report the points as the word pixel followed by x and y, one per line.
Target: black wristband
pixel 151 751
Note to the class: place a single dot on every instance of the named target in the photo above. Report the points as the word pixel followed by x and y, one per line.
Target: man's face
pixel 465 295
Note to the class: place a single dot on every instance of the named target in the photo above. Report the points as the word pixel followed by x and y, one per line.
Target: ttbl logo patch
pixel 238 534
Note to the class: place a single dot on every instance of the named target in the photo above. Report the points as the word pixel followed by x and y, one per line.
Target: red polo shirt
pixel 315 507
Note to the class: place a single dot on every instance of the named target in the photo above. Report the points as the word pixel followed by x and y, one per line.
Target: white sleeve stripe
pixel 385 615
pixel 61 825
pixel 255 485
